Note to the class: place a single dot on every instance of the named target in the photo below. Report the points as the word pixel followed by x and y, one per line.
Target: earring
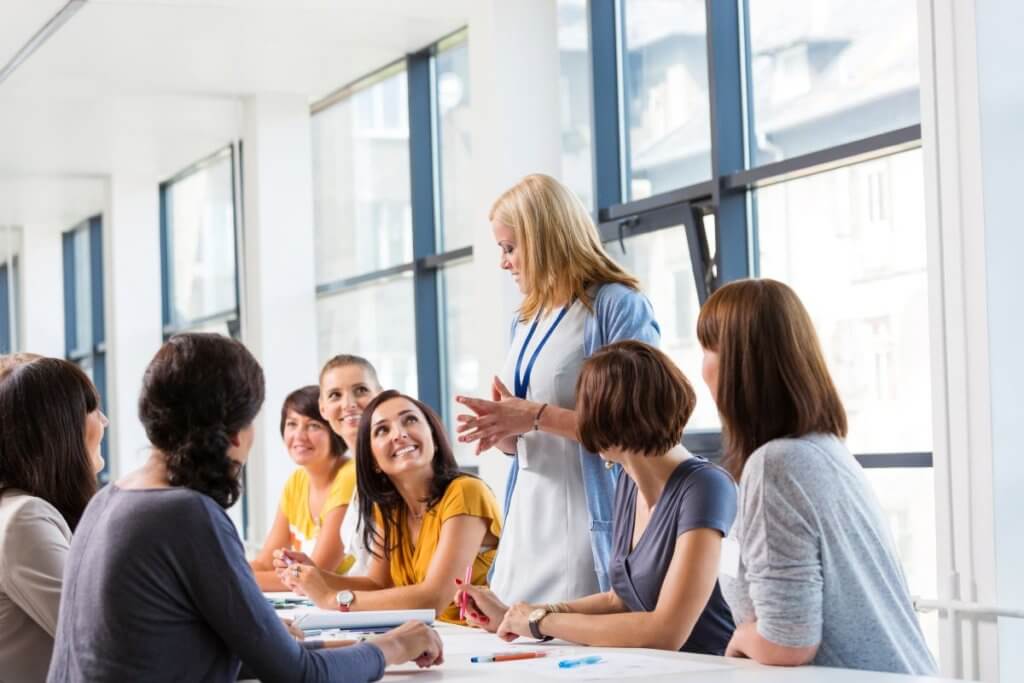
pixel 608 464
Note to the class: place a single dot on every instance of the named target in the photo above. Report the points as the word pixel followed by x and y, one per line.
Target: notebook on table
pixel 309 619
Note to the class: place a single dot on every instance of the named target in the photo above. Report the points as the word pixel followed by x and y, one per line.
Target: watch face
pixel 345 598
pixel 537 614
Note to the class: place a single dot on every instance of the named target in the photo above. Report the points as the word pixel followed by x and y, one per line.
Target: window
pixel 575 104
pixel 825 72
pixel 361 180
pixel 10 246
pixel 665 95
pixel 462 367
pixel 198 247
pixel 84 328
pixel 454 144
pixel 866 287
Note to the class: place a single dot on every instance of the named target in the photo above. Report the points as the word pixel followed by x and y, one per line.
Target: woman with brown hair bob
pixel 810 570
pixel 49 458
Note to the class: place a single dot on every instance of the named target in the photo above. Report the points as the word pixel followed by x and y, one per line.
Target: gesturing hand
pixel 500 419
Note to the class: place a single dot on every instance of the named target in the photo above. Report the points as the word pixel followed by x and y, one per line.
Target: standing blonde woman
pixel 576 300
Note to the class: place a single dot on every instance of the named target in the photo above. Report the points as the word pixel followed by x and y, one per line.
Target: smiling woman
pixel 431 521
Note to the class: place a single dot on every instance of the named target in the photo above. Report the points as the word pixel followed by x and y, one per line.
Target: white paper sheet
pixel 314 618
pixel 613 665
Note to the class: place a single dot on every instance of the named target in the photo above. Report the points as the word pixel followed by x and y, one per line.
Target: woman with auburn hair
pixel 810 570
pixel 576 300
pixel 316 496
pixel 161 590
pixel 671 511
pixel 431 521
pixel 49 459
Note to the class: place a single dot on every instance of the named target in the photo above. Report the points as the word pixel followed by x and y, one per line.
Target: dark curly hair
pixel 199 391
pixel 306 402
pixel 43 406
pixel 376 488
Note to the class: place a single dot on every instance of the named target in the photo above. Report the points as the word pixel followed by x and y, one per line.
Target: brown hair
pixel 772 378
pixel 306 402
pixel 198 391
pixel 43 406
pixel 632 396
pixel 343 359
pixel 560 251
pixel 376 488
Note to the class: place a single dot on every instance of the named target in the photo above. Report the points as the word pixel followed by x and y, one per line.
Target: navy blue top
pixel 157 589
pixel 698 495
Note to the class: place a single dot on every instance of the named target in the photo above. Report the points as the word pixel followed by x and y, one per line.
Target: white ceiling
pixel 162 80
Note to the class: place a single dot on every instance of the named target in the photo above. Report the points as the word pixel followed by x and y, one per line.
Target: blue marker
pixel 582 661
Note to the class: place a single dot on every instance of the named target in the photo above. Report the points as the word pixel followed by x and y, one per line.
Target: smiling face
pixel 345 391
pixel 307 440
pixel 506 239
pixel 400 438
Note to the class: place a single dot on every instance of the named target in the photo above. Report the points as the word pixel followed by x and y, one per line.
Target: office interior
pixel 313 177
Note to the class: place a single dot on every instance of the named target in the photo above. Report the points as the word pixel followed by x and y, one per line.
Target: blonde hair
pixel 560 251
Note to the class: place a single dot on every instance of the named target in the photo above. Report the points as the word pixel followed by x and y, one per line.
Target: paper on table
pixel 315 618
pixel 467 642
pixel 615 665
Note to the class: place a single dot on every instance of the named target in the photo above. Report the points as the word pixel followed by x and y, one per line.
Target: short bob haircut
pixel 772 378
pixel 306 402
pixel 560 252
pixel 376 488
pixel 43 406
pixel 200 390
pixel 630 395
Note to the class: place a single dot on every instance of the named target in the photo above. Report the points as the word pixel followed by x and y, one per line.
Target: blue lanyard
pixel 522 382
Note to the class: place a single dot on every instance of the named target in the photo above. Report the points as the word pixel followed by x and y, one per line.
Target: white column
pixel 514 81
pixel 970 111
pixel 278 305
pixel 42 276
pixel 132 287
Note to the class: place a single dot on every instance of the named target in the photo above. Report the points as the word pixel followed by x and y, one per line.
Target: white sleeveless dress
pixel 545 552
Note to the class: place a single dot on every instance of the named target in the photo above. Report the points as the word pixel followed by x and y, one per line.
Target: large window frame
pixel 728 195
pixel 425 201
pixel 88 353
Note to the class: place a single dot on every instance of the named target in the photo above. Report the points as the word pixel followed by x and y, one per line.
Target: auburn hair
pixel 772 378
pixel 632 396
pixel 560 252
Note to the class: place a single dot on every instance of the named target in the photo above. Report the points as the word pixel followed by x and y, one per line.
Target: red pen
pixel 506 657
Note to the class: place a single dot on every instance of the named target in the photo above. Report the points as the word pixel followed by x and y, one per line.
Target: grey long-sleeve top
pixel 158 589
pixel 34 541
pixel 817 562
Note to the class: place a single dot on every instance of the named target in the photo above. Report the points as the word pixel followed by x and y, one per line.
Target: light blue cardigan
pixel 619 313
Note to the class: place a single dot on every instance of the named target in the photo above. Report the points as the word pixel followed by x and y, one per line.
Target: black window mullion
pixel 422 168
pixel 71 345
pixel 725 94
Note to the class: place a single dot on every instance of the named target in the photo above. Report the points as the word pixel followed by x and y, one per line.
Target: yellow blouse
pixel 302 528
pixel 465 496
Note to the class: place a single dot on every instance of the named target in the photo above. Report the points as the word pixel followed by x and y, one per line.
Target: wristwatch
pixel 534 621
pixel 345 600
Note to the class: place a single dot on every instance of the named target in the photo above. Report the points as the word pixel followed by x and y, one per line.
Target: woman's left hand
pixel 516 622
pixel 505 416
pixel 306 580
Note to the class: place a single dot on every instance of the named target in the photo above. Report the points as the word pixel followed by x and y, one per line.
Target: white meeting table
pixel 461 642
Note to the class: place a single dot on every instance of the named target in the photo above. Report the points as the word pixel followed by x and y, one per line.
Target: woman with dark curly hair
pixel 49 457
pixel 431 521
pixel 161 589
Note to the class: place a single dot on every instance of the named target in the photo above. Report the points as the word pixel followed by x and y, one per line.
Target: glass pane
pixel 825 72
pixel 661 260
pixel 907 498
pixel 462 367
pixel 362 215
pixel 666 95
pixel 574 75
pixel 375 321
pixel 83 290
pixel 201 240
pixel 851 242
pixel 455 146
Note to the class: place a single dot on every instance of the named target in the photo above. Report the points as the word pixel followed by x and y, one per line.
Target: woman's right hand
pixel 484 609
pixel 412 641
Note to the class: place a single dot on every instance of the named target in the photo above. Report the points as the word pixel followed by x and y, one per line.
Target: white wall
pixel 42 281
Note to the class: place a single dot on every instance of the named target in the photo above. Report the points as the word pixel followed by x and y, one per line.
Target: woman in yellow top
pixel 315 497
pixel 431 521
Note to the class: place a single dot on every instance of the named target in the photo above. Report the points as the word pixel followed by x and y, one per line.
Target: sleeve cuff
pixel 790 635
